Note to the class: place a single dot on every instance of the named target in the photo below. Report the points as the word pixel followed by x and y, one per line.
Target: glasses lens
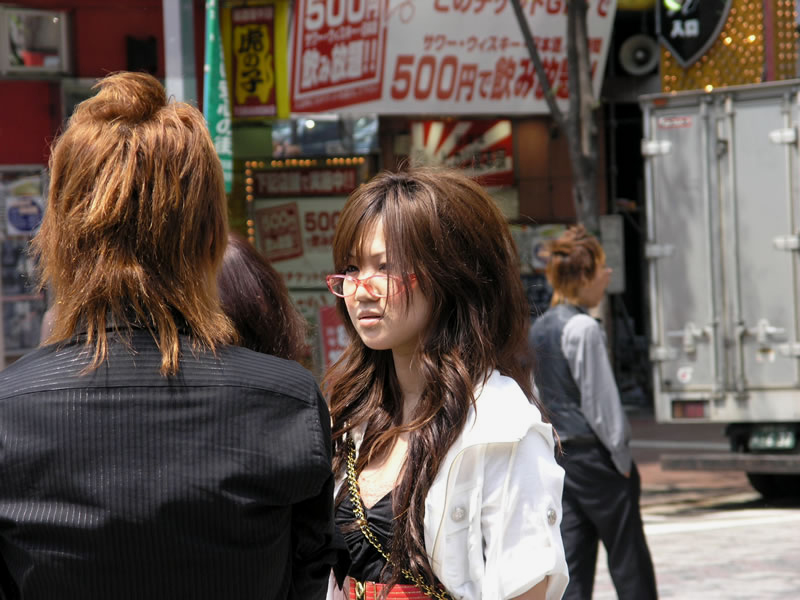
pixel 348 286
pixel 379 285
pixel 335 284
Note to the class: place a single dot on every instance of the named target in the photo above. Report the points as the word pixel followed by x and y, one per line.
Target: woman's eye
pixel 382 267
pixel 350 269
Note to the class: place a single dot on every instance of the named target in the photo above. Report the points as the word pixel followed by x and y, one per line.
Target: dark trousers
pixel 602 505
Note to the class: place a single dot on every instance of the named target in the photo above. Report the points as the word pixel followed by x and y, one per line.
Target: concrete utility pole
pixel 181 80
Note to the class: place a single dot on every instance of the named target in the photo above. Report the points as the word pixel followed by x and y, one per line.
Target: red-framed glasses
pixel 380 285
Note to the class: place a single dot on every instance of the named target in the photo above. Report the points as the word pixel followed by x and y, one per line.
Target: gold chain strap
pixel 361 520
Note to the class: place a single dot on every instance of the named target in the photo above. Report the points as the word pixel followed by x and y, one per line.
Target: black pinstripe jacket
pixel 124 484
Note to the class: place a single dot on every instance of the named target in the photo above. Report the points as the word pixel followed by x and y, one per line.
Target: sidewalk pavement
pixel 651 439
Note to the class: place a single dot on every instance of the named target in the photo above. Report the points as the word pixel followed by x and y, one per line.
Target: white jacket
pixel 493 511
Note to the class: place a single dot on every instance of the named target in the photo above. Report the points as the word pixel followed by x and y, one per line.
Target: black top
pixel 122 483
pixel 366 562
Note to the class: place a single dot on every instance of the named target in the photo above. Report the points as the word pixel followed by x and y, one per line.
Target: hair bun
pixel 560 246
pixel 126 96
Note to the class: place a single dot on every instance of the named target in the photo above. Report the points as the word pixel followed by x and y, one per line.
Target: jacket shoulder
pixel 503 413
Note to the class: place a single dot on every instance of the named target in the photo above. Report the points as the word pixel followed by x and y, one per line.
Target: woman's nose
pixel 362 293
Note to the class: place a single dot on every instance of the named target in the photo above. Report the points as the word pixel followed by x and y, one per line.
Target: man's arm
pixel 584 347
pixel 312 526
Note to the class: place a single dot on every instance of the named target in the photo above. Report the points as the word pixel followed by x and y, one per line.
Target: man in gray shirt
pixel 576 384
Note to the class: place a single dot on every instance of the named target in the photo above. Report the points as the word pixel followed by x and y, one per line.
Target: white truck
pixel 722 177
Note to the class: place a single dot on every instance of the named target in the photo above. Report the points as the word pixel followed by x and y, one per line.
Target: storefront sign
pixel 340 49
pixel 482 149
pixel 687 28
pixel 437 56
pixel 305 182
pixel 254 61
pixel 296 236
pixel 333 335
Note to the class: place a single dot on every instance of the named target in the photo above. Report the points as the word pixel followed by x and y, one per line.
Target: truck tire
pixel 772 487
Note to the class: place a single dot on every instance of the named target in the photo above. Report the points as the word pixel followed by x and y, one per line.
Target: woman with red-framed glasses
pixel 448 486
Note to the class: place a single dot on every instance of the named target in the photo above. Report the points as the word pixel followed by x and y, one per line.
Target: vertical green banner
pixel 216 105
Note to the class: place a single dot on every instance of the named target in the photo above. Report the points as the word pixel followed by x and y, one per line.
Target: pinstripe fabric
pixel 121 483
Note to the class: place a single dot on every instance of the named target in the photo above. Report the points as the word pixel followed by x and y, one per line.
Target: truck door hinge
pixel 790 350
pixel 662 353
pixel 655 251
pixel 656 147
pixel 785 135
pixel 690 335
pixel 787 242
pixel 764 333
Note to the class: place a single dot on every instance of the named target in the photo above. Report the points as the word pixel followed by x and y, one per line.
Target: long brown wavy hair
pixel 445 229
pixel 256 300
pixel 573 260
pixel 136 222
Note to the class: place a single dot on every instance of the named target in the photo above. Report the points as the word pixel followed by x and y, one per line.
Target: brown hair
pixel 446 230
pixel 574 259
pixel 136 221
pixel 256 300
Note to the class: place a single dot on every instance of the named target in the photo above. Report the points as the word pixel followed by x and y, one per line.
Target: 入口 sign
pixel 688 28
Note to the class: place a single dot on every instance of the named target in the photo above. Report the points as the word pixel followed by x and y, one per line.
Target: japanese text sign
pixel 216 107
pixel 296 236
pixel 254 61
pixel 435 56
pixel 305 182
pixel 341 48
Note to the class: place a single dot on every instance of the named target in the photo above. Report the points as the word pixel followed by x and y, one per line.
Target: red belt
pixel 372 591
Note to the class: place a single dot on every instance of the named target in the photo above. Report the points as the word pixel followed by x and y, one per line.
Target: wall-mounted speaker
pixel 141 54
pixel 639 54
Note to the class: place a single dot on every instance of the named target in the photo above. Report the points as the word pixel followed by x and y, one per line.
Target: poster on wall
pixel 23 305
pixel 482 149
pixel 22 191
pixel 296 236
pixel 23 205
pixel 312 304
pixel 435 56
pixel 531 244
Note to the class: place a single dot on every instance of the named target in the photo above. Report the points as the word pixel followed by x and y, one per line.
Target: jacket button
pixel 551 516
pixel 458 513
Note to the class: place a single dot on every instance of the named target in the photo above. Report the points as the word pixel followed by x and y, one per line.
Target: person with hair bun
pixel 448 485
pixel 143 454
pixel 576 384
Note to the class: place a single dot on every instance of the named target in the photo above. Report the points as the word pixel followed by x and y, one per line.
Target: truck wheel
pixel 775 486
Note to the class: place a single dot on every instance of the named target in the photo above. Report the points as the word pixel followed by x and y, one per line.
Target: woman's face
pixel 592 291
pixel 384 323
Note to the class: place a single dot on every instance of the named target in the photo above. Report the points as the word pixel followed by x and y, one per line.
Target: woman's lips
pixel 369 320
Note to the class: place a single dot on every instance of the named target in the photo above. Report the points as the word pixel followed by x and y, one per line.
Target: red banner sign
pixel 333 335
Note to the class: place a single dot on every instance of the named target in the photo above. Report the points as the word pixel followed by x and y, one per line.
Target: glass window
pixel 324 135
pixel 33 41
